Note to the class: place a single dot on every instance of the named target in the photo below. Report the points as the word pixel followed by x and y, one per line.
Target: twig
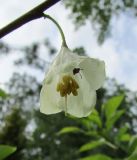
pixel 35 13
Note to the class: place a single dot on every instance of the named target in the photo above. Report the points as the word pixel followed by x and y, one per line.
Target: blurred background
pixel 103 29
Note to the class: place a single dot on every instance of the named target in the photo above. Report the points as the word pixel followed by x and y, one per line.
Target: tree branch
pixel 35 13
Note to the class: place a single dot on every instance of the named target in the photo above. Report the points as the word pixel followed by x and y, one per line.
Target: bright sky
pixel 119 52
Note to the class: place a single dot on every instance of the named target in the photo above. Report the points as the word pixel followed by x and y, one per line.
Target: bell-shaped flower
pixel 71 83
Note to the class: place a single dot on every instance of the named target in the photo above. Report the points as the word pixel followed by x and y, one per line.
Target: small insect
pixel 76 71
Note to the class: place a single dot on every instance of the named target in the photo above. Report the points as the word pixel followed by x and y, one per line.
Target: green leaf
pixel 133 156
pixel 125 137
pixel 110 122
pixel 132 144
pixel 3 94
pixel 86 123
pixel 94 117
pixel 123 130
pixel 70 129
pixel 92 134
pixel 97 157
pixel 91 145
pixel 111 105
pixel 5 151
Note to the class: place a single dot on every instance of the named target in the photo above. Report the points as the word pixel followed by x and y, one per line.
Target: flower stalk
pixel 59 28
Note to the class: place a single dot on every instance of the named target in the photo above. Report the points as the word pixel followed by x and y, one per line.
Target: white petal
pixel 93 71
pixel 68 60
pixel 82 104
pixel 64 62
pixel 49 98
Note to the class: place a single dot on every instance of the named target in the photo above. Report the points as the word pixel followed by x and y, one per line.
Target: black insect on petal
pixel 77 70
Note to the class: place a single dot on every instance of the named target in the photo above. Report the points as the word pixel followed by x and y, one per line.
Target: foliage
pixel 5 151
pixel 104 136
pixel 3 94
pixel 97 157
pixel 12 133
pixel 99 13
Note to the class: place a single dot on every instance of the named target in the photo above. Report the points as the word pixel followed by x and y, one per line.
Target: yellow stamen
pixel 74 92
pixel 66 86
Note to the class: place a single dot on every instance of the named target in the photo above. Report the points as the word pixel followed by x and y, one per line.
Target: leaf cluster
pixel 99 13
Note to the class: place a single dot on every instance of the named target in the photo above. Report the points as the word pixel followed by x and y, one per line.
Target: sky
pixel 119 51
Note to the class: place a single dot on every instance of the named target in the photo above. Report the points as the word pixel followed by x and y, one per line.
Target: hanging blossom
pixel 71 83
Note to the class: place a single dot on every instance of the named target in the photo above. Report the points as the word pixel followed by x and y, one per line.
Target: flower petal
pixel 93 71
pixel 82 104
pixel 68 60
pixel 89 77
pixel 49 98
pixel 64 62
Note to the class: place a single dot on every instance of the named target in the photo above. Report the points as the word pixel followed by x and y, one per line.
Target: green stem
pixel 58 26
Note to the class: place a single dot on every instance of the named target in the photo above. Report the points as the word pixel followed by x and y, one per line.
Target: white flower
pixel 71 83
